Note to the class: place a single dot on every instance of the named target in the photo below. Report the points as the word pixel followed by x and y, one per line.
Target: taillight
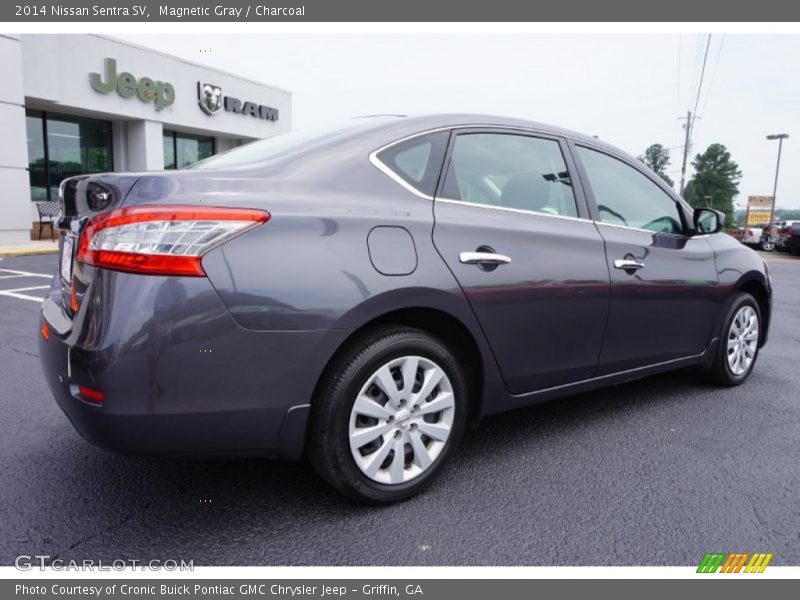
pixel 749 233
pixel 161 240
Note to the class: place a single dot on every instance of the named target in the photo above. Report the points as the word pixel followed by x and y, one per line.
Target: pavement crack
pixel 103 530
pixel 25 352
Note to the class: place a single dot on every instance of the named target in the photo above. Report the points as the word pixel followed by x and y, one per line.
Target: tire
pixel 767 246
pixel 734 326
pixel 336 442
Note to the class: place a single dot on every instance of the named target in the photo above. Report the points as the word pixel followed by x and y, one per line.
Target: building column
pixel 18 210
pixel 145 146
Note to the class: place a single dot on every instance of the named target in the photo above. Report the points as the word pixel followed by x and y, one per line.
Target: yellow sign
pixel 757 218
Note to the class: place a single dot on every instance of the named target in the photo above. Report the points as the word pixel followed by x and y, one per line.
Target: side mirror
pixel 708 220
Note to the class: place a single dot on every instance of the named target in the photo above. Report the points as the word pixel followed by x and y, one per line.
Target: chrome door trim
pixel 650 231
pixel 511 210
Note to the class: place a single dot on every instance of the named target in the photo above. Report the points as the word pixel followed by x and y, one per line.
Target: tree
pixel 657 158
pixel 715 182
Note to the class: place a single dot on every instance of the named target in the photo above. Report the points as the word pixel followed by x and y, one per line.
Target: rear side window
pixel 417 161
pixel 510 171
pixel 627 197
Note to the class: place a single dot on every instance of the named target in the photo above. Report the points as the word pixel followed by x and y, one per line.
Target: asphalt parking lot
pixel 656 472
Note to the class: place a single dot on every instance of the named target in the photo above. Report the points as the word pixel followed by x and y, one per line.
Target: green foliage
pixel 657 158
pixel 787 214
pixel 715 182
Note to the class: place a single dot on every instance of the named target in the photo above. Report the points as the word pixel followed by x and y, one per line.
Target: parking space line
pixel 16 293
pixel 15 273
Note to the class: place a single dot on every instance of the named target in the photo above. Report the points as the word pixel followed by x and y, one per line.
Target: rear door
pixel 663 281
pixel 513 228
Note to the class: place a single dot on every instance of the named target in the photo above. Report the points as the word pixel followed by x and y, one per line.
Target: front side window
pixel 417 161
pixel 627 197
pixel 510 171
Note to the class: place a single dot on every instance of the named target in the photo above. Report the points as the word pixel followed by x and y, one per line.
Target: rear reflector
pixel 162 240
pixel 91 394
pixel 73 298
pixel 45 330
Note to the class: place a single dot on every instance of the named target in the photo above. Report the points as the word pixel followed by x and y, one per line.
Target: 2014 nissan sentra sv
pixel 363 294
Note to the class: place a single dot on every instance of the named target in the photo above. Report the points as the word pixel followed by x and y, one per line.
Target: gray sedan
pixel 362 294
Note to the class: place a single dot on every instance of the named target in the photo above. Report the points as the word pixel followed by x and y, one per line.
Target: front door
pixel 663 281
pixel 531 263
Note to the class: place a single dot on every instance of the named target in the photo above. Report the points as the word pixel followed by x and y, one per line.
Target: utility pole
pixel 688 128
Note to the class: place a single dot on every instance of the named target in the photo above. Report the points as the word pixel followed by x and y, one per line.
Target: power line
pixel 696 69
pixel 713 73
pixel 702 75
pixel 678 100
pixel 690 118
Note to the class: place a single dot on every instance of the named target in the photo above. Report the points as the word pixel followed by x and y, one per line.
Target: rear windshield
pixel 285 144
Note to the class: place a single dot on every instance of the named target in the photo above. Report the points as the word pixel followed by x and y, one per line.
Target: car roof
pixel 407 125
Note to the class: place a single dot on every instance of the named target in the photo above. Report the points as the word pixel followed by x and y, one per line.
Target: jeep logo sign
pixel 161 93
pixel 210 99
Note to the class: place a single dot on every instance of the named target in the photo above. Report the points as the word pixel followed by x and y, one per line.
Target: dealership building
pixel 74 104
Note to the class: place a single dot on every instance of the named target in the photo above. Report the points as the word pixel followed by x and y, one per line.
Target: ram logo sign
pixel 211 100
pixel 734 562
pixel 209 96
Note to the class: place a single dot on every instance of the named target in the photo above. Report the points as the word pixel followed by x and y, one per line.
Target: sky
pixel 628 90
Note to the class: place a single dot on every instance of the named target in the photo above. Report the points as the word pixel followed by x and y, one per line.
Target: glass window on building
pixel 184 149
pixel 61 146
pixel 37 160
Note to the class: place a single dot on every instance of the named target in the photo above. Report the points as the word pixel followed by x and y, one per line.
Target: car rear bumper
pixel 178 374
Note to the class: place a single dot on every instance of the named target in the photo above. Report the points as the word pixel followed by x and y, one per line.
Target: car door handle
pixel 627 264
pixel 483 258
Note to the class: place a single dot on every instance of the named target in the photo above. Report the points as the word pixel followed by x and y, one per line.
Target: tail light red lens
pixel 73 298
pixel 162 240
pixel 91 394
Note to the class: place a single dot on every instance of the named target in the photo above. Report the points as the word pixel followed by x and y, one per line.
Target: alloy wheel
pixel 742 340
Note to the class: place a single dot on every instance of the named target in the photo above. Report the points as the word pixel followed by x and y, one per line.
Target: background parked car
pixel 791 238
pixel 769 235
pixel 751 236
pixel 783 233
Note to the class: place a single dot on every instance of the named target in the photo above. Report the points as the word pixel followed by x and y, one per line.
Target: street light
pixel 780 137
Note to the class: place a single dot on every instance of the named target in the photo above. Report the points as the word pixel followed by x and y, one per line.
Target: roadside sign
pixel 759 209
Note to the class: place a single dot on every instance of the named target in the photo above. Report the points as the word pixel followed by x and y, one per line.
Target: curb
pixel 27 251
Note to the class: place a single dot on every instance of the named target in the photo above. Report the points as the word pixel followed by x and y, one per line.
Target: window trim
pixel 655 180
pixel 521 211
pixel 387 170
pixel 584 195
